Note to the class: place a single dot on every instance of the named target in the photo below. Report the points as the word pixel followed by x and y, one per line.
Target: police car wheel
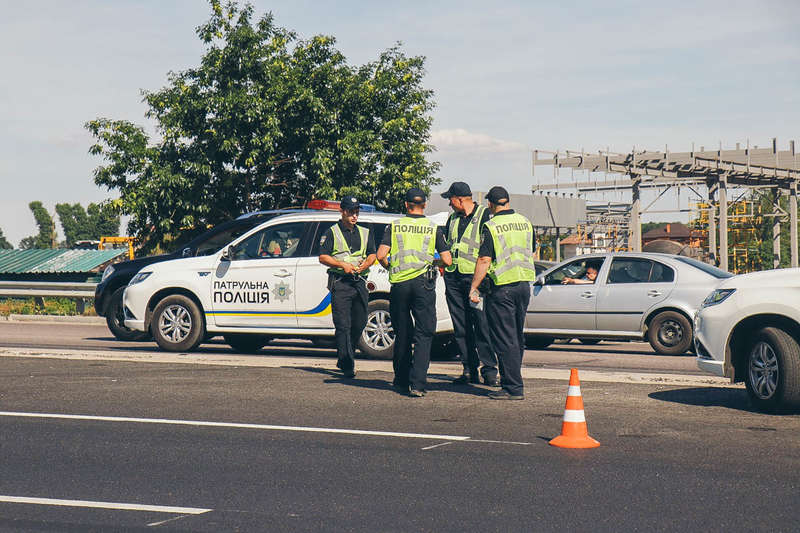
pixel 377 340
pixel 115 320
pixel 177 324
pixel 246 343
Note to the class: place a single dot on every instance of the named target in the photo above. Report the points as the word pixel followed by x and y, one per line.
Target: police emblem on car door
pixel 255 285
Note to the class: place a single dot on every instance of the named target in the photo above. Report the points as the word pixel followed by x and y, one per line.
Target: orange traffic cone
pixel 574 433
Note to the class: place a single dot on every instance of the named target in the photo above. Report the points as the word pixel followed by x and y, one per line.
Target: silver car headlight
pixel 107 272
pixel 717 297
pixel 140 277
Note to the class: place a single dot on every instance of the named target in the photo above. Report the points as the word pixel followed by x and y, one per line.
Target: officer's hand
pixel 348 268
pixel 474 296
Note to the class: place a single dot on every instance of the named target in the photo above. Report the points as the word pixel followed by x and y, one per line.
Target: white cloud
pixel 461 140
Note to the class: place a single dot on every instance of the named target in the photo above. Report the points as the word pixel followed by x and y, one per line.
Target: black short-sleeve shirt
pixel 351 237
pixel 441 242
pixel 487 243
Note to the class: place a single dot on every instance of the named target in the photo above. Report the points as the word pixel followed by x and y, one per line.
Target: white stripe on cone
pixel 574 390
pixel 571 415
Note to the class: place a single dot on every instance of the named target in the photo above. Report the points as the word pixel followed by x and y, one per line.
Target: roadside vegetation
pixel 46 306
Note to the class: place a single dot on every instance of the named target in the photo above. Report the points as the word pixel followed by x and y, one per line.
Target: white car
pixel 748 329
pixel 267 283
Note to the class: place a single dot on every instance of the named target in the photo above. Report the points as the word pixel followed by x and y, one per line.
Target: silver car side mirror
pixel 227 253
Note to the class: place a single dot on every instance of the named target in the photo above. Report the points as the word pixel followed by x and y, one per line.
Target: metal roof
pixel 62 261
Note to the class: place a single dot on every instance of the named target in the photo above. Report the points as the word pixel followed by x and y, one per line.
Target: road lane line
pixel 235 425
pixel 104 505
pixel 437 445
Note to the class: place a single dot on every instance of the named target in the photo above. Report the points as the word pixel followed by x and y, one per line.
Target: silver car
pixel 633 296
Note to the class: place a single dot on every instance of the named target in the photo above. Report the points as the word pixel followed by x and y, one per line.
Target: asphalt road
pixel 672 458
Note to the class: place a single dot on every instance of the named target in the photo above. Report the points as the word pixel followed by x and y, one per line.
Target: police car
pixel 265 284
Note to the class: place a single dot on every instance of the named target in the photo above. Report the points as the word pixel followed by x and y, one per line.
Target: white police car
pixel 267 283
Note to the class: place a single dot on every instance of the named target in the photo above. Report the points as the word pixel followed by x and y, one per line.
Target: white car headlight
pixel 107 272
pixel 140 277
pixel 717 297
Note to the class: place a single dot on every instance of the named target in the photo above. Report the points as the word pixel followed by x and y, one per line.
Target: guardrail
pixel 43 289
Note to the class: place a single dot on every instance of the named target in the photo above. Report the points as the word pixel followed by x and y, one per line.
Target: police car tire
pixel 774 350
pixel 246 342
pixel 197 328
pixel 114 320
pixel 376 306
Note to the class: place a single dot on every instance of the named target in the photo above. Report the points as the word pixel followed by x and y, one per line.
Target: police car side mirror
pixel 187 252
pixel 227 253
pixel 539 281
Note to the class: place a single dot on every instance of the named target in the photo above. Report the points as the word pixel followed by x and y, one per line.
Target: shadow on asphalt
pixel 711 397
pixel 436 382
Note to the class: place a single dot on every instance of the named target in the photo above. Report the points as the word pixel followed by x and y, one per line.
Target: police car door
pixel 256 286
pixel 314 301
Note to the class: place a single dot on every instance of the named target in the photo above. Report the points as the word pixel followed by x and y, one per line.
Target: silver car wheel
pixel 670 333
pixel 378 333
pixel 175 323
pixel 763 370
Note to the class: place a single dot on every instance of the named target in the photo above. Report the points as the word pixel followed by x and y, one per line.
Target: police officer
pixel 471 330
pixel 348 250
pixel 410 244
pixel 506 255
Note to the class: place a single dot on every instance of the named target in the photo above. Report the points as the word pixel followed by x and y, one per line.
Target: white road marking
pixel 437 445
pixel 162 522
pixel 236 425
pixel 501 442
pixel 104 505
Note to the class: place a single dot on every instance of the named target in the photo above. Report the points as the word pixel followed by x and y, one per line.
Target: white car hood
pixel 782 277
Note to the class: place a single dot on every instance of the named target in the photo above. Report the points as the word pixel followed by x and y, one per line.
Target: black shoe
pixel 414 393
pixel 463 379
pixel 491 382
pixel 505 395
pixel 349 373
pixel 402 388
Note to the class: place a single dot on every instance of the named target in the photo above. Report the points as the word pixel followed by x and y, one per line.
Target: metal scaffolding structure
pixel 713 171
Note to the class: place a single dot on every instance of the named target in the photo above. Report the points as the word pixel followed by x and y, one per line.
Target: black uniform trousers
pixel 506 307
pixel 413 298
pixel 470 328
pixel 349 299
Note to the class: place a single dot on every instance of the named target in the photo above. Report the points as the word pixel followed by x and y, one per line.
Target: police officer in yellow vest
pixel 470 328
pixel 348 250
pixel 506 256
pixel 410 244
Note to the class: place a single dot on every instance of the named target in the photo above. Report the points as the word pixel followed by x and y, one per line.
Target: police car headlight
pixel 140 277
pixel 107 272
pixel 717 297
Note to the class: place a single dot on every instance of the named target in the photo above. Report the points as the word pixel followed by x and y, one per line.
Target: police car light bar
pixel 331 205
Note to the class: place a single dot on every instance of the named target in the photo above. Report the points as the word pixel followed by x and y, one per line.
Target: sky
pixel 508 77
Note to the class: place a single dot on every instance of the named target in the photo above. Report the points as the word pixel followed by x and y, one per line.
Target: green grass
pixel 52 306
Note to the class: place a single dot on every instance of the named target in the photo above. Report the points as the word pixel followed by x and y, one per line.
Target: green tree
pixel 4 244
pixel 47 229
pixel 87 224
pixel 267 120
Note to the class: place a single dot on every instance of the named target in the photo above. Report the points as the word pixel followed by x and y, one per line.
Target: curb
pixel 217 359
pixel 91 320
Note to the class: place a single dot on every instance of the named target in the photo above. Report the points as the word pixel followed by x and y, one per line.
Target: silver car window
pixel 636 270
pixel 574 269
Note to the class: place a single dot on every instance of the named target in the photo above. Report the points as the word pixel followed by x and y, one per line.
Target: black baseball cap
pixel 497 195
pixel 349 203
pixel 415 195
pixel 458 188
